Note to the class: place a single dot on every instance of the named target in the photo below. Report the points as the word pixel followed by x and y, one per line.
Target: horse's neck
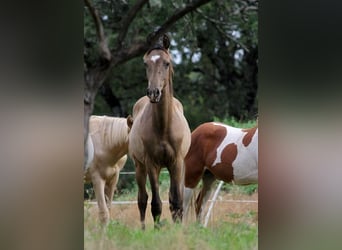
pixel 162 111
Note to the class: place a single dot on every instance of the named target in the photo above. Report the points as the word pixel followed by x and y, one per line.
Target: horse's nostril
pixel 153 93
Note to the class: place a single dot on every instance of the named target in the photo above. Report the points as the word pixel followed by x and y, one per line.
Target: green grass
pixel 240 189
pixel 235 123
pixel 172 236
pixel 223 234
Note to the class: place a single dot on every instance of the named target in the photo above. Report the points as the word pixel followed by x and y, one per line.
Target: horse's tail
pixel 189 214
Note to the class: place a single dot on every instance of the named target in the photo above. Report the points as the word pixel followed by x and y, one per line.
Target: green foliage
pixel 235 123
pixel 216 48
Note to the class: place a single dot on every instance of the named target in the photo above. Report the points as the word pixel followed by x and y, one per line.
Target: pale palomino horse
pixel 221 152
pixel 109 137
pixel 90 153
pixel 160 136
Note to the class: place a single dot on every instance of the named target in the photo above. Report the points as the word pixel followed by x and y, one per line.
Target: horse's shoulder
pixel 139 105
pixel 178 104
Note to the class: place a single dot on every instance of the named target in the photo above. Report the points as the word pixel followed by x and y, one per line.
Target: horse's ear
pixel 166 41
pixel 129 121
pixel 149 40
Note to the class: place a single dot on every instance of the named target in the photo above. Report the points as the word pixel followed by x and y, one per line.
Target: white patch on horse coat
pixel 233 136
pixel 154 58
pixel 245 166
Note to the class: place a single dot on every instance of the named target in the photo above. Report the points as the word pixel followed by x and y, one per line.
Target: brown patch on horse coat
pixel 248 137
pixel 224 170
pixel 204 141
pixel 215 138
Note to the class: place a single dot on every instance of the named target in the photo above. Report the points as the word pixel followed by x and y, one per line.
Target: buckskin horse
pixel 109 137
pixel 218 151
pixel 160 136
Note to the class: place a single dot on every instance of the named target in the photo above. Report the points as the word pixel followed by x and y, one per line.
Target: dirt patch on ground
pixel 239 210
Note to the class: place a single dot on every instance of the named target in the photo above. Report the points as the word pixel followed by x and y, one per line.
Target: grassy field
pixel 224 235
pixel 231 226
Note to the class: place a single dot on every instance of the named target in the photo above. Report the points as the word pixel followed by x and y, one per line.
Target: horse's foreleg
pixel 99 187
pixel 156 204
pixel 208 179
pixel 140 175
pixel 176 191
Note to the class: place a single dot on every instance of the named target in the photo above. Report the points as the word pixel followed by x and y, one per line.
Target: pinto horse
pixel 221 152
pixel 159 137
pixel 108 140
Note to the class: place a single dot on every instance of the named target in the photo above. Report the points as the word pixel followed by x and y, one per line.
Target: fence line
pixel 212 203
pixel 162 172
pixel 166 202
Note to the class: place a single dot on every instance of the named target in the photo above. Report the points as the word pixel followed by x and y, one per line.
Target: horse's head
pixel 158 70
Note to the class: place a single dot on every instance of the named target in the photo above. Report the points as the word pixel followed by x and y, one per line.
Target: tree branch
pixel 103 44
pixel 178 14
pixel 127 54
pixel 140 47
pixel 127 20
pixel 223 33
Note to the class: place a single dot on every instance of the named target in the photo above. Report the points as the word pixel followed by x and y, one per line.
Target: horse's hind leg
pixel 156 204
pixel 140 175
pixel 208 179
pixel 110 189
pixel 99 187
pixel 194 169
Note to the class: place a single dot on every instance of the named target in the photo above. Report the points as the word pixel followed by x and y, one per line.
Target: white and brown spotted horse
pixel 160 136
pixel 108 147
pixel 219 151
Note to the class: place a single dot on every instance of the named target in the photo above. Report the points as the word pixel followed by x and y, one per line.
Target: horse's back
pixel 110 138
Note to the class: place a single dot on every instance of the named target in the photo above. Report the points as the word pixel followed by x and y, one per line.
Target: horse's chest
pixel 161 152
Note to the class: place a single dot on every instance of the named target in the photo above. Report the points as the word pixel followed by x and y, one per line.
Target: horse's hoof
pixel 160 224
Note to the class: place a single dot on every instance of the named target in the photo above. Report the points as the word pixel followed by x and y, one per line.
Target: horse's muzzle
pixel 154 94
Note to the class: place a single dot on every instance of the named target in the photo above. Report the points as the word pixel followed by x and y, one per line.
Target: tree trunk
pixel 93 79
pixel 112 101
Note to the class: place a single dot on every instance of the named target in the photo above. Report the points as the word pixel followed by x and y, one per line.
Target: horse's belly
pixel 245 170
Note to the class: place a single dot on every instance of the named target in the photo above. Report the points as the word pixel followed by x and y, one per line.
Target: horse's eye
pixel 145 64
pixel 166 64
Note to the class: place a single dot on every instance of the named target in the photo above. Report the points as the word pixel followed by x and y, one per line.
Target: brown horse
pixel 160 136
pixel 221 152
pixel 108 141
